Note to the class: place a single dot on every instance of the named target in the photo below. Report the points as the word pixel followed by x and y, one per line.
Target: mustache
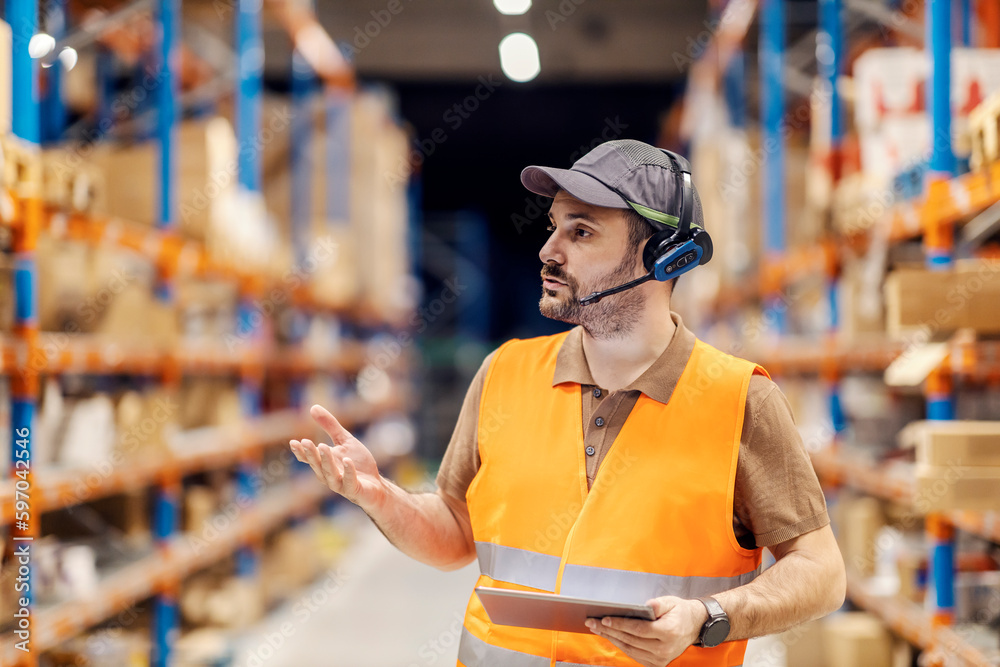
pixel 552 271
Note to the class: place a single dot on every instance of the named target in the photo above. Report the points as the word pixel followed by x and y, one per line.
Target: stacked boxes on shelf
pixel 147 376
pixel 357 248
pixel 895 349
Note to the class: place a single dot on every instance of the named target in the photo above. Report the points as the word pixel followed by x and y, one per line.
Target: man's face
pixel 588 251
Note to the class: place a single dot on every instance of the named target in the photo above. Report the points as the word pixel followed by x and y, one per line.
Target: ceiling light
pixel 519 57
pixel 512 7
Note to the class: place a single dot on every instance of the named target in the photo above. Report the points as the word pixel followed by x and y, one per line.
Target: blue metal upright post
pixel 938 247
pixel 473 247
pixel 22 15
pixel 829 55
pixel 772 62
pixel 939 236
pixel 734 87
pixel 168 107
pixel 53 108
pixel 167 498
pixel 250 67
pixel 165 628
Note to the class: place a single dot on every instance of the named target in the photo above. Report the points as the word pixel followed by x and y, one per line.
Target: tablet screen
pixel 548 611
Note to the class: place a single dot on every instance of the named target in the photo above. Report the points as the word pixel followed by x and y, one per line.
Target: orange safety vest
pixel 657 521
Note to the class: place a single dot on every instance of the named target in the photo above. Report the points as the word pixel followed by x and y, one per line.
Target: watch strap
pixel 715 609
pixel 715 614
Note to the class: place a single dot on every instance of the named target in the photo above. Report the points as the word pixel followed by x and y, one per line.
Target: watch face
pixel 715 633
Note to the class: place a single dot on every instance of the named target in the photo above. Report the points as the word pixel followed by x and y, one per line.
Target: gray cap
pixel 621 174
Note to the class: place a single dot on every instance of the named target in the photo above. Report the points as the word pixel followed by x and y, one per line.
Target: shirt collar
pixel 657 382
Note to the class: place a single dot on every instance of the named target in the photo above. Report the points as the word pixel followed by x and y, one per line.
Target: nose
pixel 552 252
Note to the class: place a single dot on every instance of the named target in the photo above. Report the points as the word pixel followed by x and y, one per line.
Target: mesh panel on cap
pixel 698 218
pixel 639 153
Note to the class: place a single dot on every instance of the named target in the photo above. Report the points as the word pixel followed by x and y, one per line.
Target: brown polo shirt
pixel 777 496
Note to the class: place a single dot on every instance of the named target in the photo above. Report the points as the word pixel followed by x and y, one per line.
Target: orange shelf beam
pixel 204 450
pixel 181 558
pixel 913 623
pixel 896 484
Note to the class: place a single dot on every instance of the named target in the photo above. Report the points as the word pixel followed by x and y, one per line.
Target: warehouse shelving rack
pixel 28 353
pixel 933 217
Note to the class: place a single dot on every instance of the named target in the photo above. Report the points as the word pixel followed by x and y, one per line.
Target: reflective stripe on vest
pixel 537 570
pixel 474 652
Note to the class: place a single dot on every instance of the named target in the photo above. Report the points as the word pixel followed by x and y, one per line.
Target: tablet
pixel 547 611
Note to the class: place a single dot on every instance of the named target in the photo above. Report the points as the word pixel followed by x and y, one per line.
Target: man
pixel 623 460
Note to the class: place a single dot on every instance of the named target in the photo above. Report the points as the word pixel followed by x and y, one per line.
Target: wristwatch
pixel 716 628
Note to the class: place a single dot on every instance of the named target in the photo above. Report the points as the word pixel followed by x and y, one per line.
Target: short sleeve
pixel 777 496
pixel 461 460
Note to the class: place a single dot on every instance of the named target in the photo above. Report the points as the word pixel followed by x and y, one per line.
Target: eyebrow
pixel 577 215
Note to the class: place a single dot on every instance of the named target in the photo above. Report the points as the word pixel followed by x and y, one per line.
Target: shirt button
pixel 590 450
pixel 597 392
pixel 599 421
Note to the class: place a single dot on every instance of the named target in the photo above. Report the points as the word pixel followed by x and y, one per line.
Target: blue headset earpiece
pixel 672 252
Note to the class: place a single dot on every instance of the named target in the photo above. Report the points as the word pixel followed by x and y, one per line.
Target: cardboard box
pixel 860 298
pixel 941 488
pixel 942 301
pixel 804 645
pixel 858 522
pixel 143 422
pixel 856 639
pixel 959 443
pixel 71 182
pixel 206 170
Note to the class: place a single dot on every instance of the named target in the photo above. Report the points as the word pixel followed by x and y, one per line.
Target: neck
pixel 615 363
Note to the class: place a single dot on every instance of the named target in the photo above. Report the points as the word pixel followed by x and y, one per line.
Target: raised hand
pixel 346 466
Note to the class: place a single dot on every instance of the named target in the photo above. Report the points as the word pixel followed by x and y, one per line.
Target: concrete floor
pixel 378 609
pixel 382 609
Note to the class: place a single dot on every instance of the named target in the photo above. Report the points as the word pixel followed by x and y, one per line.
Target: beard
pixel 613 317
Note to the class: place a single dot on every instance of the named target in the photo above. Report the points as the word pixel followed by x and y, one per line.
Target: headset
pixel 669 252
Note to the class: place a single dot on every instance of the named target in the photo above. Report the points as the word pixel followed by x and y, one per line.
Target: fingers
pixel 302 453
pixel 639 654
pixel 631 627
pixel 338 434
pixel 323 462
pixel 332 472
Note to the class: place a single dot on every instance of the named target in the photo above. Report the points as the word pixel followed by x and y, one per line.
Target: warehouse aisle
pixel 378 609
pixel 334 624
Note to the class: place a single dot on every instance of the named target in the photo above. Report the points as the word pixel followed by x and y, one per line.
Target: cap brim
pixel 547 181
